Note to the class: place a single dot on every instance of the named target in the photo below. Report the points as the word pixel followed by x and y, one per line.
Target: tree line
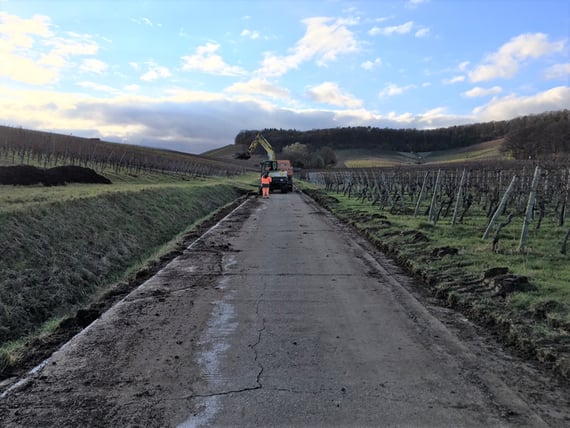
pixel 540 136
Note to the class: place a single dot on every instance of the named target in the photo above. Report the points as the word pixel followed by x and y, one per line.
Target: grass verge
pixel 67 257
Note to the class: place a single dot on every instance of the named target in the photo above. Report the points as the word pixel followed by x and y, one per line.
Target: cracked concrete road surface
pixel 281 316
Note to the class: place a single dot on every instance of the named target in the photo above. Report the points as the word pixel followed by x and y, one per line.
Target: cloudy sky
pixel 189 75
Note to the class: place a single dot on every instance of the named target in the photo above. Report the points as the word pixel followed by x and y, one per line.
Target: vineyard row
pixel 525 190
pixel 19 146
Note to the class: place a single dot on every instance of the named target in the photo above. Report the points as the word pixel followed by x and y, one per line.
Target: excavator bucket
pixel 242 156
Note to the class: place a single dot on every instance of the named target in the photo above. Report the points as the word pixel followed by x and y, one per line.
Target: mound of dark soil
pixel 501 282
pixel 26 175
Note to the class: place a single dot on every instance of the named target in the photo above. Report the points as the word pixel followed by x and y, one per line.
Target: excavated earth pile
pixel 27 175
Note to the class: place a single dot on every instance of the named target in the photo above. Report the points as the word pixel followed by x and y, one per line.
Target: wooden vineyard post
pixel 500 208
pixel 434 196
pixel 565 242
pixel 401 194
pixel 562 215
pixel 422 192
pixel 459 194
pixel 529 209
pixel 387 188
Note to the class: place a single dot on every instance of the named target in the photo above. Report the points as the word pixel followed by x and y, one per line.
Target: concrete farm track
pixel 280 315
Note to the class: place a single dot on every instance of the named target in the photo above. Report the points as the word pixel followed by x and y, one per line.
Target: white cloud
pixel 19 33
pixel 142 21
pixel 392 89
pixel 18 39
pixel 482 92
pixel 558 71
pixel 324 41
pixel 98 87
pixel 455 79
pixel 92 65
pixel 463 65
pixel 370 65
pixel 382 19
pixel 412 4
pixel 422 32
pixel 348 21
pixel 506 61
pixel 250 34
pixel 438 118
pixel 74 44
pixel 512 106
pixel 401 118
pixel 206 60
pixel 26 70
pixel 259 86
pixel 31 52
pixel 396 29
pixel 155 72
pixel 330 93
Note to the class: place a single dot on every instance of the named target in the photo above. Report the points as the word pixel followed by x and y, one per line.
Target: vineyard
pixel 26 147
pixel 495 195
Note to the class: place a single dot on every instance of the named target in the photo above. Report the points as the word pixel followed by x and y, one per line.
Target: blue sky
pixel 189 75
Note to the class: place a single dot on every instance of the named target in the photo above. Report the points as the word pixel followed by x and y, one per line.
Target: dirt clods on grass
pixel 444 251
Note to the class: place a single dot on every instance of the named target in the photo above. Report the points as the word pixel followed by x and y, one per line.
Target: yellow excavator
pixel 280 171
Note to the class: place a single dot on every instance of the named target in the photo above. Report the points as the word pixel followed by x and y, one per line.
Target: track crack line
pixel 258 341
pixel 222 393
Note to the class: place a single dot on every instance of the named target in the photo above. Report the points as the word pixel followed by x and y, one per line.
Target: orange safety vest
pixel 265 181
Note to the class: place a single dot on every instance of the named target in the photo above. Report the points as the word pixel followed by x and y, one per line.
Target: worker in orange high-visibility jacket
pixel 265 182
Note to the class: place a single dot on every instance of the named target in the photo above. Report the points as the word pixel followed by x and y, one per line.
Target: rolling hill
pixel 361 158
pixel 368 158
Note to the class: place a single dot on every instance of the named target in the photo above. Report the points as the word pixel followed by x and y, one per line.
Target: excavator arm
pixel 259 140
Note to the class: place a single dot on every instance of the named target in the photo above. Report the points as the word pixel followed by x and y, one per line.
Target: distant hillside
pixel 367 158
pixel 362 158
pixel 228 154
pixel 25 146
pixel 537 136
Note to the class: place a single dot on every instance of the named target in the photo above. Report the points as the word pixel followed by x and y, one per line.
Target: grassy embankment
pixel 64 246
pixel 535 322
